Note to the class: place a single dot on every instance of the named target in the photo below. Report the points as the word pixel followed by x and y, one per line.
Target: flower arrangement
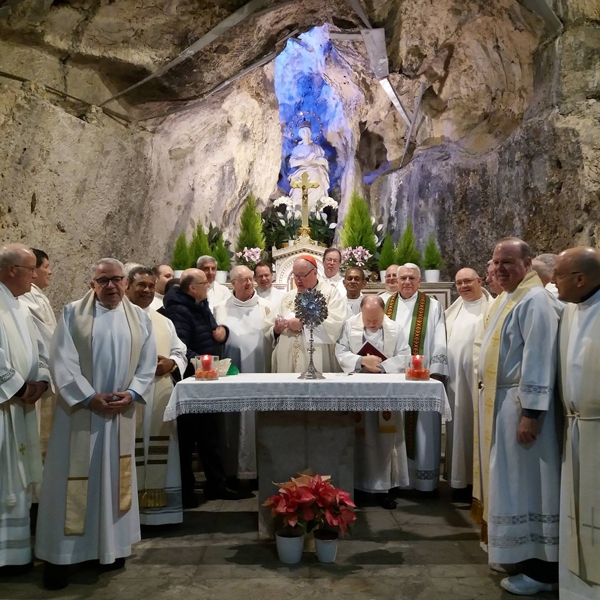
pixel 356 257
pixel 312 501
pixel 249 257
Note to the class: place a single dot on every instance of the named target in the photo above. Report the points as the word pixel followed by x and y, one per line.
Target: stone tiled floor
pixel 425 550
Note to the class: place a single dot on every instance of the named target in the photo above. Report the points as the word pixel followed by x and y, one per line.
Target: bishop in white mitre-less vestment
pixel 89 503
pixel 516 486
pixel 45 321
pixel 419 455
pixel 23 357
pixel 463 319
pixel 250 351
pixel 579 379
pixel 159 476
pixel 376 467
pixel 290 347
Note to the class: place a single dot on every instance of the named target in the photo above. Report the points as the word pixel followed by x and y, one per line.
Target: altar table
pixel 305 424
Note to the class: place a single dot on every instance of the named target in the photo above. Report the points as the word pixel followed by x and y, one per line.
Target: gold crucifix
pixel 304 183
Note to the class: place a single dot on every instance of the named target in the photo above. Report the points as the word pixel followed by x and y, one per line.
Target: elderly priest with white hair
pixel 422 320
pixel 577 277
pixel 365 336
pixel 463 319
pixel 103 361
pixel 244 314
pixel 24 378
pixel 290 353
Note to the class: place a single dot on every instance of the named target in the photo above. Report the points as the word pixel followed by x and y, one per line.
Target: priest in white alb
pixel 376 470
pixel 163 274
pixel 45 321
pixel 462 322
pixel 422 320
pixel 290 339
pixel 244 313
pixel 391 282
pixel 354 281
pixel 516 479
pixel 263 276
pixel 157 447
pixel 24 378
pixel 217 292
pixel 103 362
pixel 577 277
pixel 332 261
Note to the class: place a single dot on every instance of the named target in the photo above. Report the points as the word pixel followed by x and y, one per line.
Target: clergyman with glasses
pixel 463 319
pixel 291 339
pixel 103 359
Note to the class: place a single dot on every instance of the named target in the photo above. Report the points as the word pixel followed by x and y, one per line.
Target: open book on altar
pixel 368 348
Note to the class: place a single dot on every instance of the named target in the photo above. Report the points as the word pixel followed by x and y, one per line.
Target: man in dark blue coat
pixel 196 327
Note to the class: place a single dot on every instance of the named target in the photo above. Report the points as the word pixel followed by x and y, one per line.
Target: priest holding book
pixel 373 343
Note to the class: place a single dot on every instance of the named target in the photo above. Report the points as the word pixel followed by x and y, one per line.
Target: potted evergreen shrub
pixel 386 256
pixel 181 256
pixel 221 255
pixel 407 251
pixel 357 231
pixel 432 260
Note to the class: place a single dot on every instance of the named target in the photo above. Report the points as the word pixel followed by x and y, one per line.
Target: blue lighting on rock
pixel 303 93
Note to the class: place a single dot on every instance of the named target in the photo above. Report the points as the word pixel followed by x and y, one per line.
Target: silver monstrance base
pixel 311 372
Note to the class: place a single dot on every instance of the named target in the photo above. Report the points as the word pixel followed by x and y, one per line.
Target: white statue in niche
pixel 308 157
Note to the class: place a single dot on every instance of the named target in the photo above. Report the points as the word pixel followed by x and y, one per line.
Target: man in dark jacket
pixel 196 327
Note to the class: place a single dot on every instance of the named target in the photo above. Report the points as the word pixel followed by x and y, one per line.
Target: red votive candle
pixel 417 362
pixel 206 362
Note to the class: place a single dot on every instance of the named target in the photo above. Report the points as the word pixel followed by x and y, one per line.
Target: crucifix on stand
pixel 304 183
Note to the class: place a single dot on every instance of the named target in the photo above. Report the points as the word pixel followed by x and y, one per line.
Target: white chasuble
pixel 462 320
pixel 516 487
pixel 23 357
pixel 378 440
pixel 45 321
pixel 250 351
pixel 419 461
pixel 108 531
pixel 290 348
pixel 273 296
pixel 579 563
pixel 157 447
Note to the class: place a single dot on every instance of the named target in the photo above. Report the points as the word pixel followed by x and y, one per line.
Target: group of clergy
pixel 105 371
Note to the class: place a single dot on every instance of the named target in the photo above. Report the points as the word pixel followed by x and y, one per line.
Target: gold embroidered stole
pixel 151 467
pixel 481 473
pixel 81 418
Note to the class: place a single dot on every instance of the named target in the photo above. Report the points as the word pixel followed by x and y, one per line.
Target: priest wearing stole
pixel 244 314
pixel 354 282
pixel 217 292
pixel 462 322
pixel 577 277
pixel 45 321
pixel 157 448
pixel 422 320
pixel 290 339
pixel 103 361
pixel 517 455
pixel 376 444
pixel 24 378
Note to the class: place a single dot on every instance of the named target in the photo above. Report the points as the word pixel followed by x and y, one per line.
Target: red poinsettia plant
pixel 312 501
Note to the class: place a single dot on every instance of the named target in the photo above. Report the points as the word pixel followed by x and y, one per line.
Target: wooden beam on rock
pixel 223 27
pixel 391 92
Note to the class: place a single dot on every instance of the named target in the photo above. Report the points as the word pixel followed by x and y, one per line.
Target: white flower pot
pixel 382 276
pixel 432 275
pixel 290 543
pixel 177 273
pixel 290 242
pixel 326 550
pixel 221 277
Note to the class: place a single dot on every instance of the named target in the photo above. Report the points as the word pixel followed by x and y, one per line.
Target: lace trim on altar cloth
pixel 537 390
pixel 440 359
pixel 8 375
pixel 520 519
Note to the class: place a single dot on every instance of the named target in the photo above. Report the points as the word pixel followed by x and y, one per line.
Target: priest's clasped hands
pixel 371 363
pixel 282 324
pixel 110 404
pixel 34 390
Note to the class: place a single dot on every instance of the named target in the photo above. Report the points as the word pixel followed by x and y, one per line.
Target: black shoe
pixel 397 492
pixel 56 577
pixel 387 502
pixel 463 495
pixel 115 566
pixel 15 570
pixel 254 485
pixel 432 495
pixel 224 493
pixel 190 501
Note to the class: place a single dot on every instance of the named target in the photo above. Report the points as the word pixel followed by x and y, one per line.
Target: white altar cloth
pixel 285 392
